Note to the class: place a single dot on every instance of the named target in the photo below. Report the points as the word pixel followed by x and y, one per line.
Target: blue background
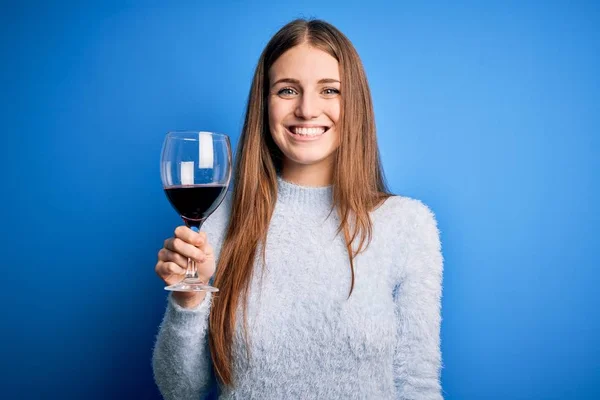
pixel 489 112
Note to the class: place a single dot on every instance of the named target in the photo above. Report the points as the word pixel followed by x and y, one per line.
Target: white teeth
pixel 307 131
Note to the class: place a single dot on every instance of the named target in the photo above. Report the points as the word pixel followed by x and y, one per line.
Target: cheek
pixel 334 115
pixel 334 112
pixel 276 114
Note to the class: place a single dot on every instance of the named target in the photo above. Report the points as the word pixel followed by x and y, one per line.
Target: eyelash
pixel 282 91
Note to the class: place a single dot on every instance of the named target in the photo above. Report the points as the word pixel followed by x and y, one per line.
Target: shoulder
pixel 413 228
pixel 407 214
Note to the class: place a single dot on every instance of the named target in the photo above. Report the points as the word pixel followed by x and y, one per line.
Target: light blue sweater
pixel 308 340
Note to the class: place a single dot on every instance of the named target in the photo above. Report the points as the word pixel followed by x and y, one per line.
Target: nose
pixel 308 106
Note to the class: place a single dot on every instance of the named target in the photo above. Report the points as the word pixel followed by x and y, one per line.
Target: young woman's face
pixel 304 107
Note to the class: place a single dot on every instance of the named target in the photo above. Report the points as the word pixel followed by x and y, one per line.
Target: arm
pixel 417 296
pixel 181 358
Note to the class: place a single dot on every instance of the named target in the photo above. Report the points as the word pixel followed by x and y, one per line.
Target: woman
pixel 330 286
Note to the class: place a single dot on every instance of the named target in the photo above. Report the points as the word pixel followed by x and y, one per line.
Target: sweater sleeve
pixel 181 358
pixel 417 296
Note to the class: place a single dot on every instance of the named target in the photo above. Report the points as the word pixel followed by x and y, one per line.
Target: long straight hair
pixel 358 179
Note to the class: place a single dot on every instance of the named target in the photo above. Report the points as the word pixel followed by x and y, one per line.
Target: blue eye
pixel 330 91
pixel 287 92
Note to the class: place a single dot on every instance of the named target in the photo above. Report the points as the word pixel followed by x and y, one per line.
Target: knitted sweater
pixel 307 339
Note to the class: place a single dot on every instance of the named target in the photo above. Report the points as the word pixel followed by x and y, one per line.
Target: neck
pixel 308 175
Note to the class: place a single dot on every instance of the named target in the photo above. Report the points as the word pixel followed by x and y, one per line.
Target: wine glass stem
pixel 192 271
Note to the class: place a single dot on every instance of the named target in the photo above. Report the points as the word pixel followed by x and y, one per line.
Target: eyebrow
pixel 296 81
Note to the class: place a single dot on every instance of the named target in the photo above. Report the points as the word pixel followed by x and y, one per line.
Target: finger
pixel 170 256
pixel 167 269
pixel 187 235
pixel 172 273
pixel 185 249
pixel 207 250
pixel 173 269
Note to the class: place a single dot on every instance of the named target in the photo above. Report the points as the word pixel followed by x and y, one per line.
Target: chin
pixel 308 160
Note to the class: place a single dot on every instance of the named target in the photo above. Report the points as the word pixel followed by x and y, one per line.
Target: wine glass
pixel 195 171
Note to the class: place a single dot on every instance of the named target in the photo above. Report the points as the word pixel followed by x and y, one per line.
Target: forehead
pixel 305 63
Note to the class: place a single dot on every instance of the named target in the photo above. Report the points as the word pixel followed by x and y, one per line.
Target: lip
pixel 299 138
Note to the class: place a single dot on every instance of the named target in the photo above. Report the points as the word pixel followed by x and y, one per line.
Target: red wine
pixel 196 203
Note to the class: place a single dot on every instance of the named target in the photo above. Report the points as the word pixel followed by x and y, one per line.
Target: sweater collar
pixel 291 193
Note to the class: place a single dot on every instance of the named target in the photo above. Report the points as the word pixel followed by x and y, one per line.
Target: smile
pixel 307 132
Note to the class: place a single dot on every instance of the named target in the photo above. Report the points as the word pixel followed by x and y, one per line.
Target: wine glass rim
pixel 177 133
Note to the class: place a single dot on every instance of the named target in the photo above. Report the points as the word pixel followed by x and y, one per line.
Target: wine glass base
pixel 191 285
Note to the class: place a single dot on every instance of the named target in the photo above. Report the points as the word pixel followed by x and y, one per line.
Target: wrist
pixel 189 300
